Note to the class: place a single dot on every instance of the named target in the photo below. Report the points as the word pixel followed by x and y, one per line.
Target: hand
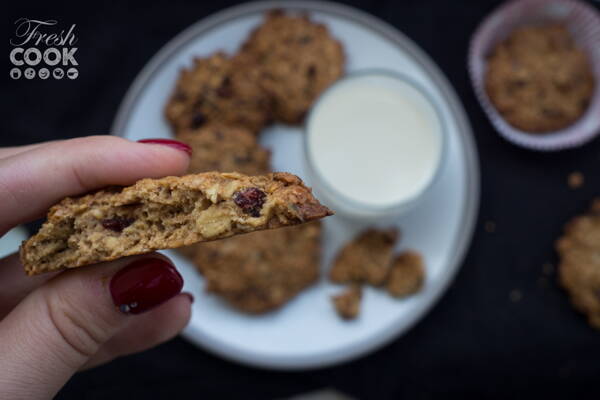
pixel 53 325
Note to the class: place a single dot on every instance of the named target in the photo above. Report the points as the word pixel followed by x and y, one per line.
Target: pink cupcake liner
pixel 583 21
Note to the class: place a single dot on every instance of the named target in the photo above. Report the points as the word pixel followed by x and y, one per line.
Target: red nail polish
pixel 144 284
pixel 169 142
pixel 189 296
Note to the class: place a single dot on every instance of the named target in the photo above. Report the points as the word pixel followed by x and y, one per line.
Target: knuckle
pixel 82 331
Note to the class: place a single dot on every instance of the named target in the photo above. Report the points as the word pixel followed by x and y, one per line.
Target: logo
pixel 15 73
pixel 43 73
pixel 72 73
pixel 40 46
pixel 29 73
pixel 58 73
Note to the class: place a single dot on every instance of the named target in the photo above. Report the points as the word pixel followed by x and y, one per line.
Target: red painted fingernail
pixel 169 142
pixel 189 296
pixel 144 284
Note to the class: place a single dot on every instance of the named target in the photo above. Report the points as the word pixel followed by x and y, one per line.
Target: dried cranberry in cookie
pixel 250 200
pixel 117 224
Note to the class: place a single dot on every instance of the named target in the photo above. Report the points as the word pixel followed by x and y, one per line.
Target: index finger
pixel 34 180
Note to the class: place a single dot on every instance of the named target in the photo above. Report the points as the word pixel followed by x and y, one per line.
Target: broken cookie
pixel 407 274
pixel 365 259
pixel 347 303
pixel 165 213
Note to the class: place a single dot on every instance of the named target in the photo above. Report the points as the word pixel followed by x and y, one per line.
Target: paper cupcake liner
pixel 583 21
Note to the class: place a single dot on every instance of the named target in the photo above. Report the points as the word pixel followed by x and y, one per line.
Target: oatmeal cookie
pixel 218 89
pixel 165 213
pixel 579 269
pixel 407 274
pixel 538 79
pixel 261 271
pixel 225 149
pixel 366 259
pixel 297 59
pixel 347 303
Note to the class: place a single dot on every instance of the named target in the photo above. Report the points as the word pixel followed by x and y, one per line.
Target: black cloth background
pixel 476 343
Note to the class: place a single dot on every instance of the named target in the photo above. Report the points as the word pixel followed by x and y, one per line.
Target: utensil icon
pixel 58 73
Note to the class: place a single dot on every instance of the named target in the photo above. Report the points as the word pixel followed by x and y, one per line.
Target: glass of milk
pixel 374 144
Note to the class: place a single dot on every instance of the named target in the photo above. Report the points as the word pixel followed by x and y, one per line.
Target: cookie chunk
pixel 261 271
pixel 407 274
pixel 347 303
pixel 538 79
pixel 225 149
pixel 579 269
pixel 165 213
pixel 366 259
pixel 297 59
pixel 218 89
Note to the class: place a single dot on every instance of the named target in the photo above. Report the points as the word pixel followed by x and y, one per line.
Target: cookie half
pixel 165 213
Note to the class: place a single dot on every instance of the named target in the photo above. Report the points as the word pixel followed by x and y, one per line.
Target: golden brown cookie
pixel 366 259
pixel 261 271
pixel 407 274
pixel 225 149
pixel 165 213
pixel 297 59
pixel 347 303
pixel 538 79
pixel 579 269
pixel 218 89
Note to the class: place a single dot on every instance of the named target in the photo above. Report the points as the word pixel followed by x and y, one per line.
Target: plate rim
pixel 469 211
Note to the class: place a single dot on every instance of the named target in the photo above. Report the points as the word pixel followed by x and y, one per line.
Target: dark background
pixel 476 343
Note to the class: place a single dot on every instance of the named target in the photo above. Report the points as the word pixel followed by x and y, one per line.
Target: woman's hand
pixel 53 325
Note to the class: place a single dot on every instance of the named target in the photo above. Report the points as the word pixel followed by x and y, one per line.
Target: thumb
pixel 61 325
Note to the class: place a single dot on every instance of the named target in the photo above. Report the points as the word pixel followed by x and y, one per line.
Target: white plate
pixel 306 333
pixel 10 242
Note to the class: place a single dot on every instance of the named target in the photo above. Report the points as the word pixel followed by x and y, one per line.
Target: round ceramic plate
pixel 307 333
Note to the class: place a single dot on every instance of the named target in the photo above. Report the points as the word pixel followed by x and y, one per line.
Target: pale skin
pixel 53 325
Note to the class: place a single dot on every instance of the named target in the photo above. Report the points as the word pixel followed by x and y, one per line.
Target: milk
pixel 375 141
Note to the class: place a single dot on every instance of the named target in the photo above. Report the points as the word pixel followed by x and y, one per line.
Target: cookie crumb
pixel 490 226
pixel 575 180
pixel 406 274
pixel 365 259
pixel 566 370
pixel 515 295
pixel 347 303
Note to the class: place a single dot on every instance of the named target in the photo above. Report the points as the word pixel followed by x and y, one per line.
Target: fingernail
pixel 171 143
pixel 189 296
pixel 144 284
